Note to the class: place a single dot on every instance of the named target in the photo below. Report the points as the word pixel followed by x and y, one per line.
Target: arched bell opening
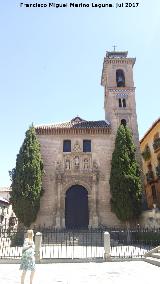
pixel 120 78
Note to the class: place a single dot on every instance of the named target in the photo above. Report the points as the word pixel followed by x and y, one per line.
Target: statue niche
pixel 76 162
pixel 67 164
pixel 86 163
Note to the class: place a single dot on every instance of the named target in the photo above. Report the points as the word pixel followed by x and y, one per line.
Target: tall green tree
pixel 26 179
pixel 125 179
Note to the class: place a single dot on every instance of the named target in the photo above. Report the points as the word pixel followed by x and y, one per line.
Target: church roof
pixel 75 123
pixel 4 201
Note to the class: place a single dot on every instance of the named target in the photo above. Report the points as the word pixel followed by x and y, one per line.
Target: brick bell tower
pixel 119 91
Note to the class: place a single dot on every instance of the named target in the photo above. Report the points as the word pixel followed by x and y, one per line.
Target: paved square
pixel 85 273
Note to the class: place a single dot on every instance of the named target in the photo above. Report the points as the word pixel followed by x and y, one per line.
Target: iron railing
pixel 82 244
pixel 73 244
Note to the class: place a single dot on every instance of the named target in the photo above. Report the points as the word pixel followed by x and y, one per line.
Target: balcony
pixel 150 177
pixel 158 171
pixel 146 154
pixel 156 144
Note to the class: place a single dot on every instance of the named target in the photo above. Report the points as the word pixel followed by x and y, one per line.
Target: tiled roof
pixel 3 200
pixel 77 122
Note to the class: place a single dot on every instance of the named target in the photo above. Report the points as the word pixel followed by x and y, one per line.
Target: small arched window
pixel 154 194
pixel 120 78
pixel 149 167
pixel 120 103
pixel 123 122
pixel 124 102
pixel 156 136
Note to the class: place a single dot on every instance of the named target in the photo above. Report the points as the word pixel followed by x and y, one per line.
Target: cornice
pixel 63 131
pixel 120 60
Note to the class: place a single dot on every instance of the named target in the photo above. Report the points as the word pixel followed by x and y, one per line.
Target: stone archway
pixel 76 208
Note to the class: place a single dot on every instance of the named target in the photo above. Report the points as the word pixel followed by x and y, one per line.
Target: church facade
pixel 77 154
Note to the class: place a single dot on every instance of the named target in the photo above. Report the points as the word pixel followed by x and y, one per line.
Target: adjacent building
pixel 7 216
pixel 150 149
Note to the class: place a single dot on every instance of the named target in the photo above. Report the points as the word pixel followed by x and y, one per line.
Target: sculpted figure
pixel 67 165
pixel 76 161
pixel 95 165
pixel 58 165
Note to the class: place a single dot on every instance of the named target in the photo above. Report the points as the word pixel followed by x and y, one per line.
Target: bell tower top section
pixel 119 91
pixel 117 70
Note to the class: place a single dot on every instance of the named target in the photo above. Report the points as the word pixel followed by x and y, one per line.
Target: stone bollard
pixel 107 255
pixel 38 242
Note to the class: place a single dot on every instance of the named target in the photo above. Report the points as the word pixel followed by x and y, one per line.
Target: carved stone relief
pixel 58 165
pixel 95 165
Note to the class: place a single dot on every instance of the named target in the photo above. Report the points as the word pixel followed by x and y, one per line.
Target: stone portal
pixel 76 208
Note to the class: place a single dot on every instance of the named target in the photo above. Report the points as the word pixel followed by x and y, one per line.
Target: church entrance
pixel 76 208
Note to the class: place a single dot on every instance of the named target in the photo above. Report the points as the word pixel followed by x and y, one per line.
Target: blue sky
pixel 51 63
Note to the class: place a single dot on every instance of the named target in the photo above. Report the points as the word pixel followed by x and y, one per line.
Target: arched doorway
pixel 76 208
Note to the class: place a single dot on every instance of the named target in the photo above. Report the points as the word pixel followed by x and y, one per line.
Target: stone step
pixel 152 260
pixel 156 255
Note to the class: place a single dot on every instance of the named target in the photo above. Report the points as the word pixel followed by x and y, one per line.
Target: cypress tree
pixel 26 179
pixel 125 179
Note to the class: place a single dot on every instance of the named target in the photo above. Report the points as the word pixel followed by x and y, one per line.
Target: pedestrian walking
pixel 28 257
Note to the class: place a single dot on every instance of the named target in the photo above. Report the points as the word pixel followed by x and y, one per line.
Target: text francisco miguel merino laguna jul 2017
pixel 65 5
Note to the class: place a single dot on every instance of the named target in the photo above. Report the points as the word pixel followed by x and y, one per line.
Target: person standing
pixel 28 257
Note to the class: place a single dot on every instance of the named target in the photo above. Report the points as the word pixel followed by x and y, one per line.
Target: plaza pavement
pixel 126 272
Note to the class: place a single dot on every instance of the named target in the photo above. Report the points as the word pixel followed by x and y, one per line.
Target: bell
pixel 120 79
